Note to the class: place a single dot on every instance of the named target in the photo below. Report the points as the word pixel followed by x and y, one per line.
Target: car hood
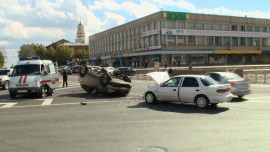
pixel 159 77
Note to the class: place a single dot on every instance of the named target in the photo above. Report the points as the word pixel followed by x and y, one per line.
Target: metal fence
pixel 260 78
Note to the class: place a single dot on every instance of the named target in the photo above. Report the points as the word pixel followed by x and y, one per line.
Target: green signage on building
pixel 175 16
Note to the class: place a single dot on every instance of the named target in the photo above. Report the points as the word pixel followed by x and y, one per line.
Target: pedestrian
pixel 170 72
pixel 165 64
pixel 65 78
pixel 178 63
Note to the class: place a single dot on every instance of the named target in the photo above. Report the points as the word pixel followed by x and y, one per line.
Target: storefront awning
pixel 170 52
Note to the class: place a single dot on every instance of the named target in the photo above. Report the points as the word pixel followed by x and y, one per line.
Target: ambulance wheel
pixel 49 91
pixel 42 93
pixel 12 95
pixel 83 70
pixel 5 85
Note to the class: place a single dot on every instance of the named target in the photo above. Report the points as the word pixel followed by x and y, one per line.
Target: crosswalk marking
pixel 47 102
pixel 7 104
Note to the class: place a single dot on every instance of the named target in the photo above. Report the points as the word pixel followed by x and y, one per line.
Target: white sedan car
pixel 198 89
pixel 109 70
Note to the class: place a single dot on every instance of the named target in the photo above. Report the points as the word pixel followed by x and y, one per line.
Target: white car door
pixel 168 91
pixel 189 89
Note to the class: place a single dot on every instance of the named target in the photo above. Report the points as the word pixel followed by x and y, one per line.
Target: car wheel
pixel 240 96
pixel 83 70
pixel 12 95
pixel 202 101
pixel 104 79
pixel 150 98
pixel 42 93
pixel 5 85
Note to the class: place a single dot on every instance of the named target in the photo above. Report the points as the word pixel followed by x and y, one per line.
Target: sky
pixel 47 21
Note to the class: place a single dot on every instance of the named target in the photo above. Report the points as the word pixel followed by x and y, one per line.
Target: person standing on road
pixel 65 78
pixel 170 72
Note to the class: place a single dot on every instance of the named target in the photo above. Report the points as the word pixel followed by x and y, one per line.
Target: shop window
pixel 217 27
pixel 242 28
pixel 218 41
pixel 191 40
pixel 181 40
pixel 156 40
pixel 249 42
pixel 209 26
pixel 209 40
pixel 249 28
pixel 242 41
pixel 234 28
pixel 256 29
pixel 264 29
pixel 171 24
pixel 156 25
pixel 225 27
pixel 200 40
pixel 235 41
pixel 180 25
pixel 226 41
pixel 199 26
pixel 171 40
pixel 191 25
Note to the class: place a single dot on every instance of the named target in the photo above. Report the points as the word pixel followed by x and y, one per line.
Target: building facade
pixel 183 38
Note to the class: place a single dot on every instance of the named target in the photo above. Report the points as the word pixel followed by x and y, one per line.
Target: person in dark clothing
pixel 65 78
pixel 170 72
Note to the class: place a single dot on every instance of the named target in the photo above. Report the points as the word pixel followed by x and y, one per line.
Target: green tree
pixel 27 50
pixel 44 53
pixel 63 54
pixel 81 54
pixel 2 58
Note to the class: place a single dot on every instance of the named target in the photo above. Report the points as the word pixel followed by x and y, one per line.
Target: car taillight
pixel 232 84
pixel 223 90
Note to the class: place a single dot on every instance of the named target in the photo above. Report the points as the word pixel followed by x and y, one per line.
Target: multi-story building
pixel 184 38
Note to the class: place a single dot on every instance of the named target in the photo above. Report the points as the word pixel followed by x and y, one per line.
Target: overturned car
pixel 94 82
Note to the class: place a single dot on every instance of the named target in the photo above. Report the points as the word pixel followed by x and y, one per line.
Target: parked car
pixel 121 71
pixel 76 69
pixel 109 70
pixel 239 86
pixel 4 78
pixel 67 69
pixel 198 89
pixel 94 82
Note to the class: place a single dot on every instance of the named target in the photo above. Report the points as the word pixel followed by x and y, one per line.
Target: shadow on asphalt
pixel 238 100
pixel 180 108
pixel 88 96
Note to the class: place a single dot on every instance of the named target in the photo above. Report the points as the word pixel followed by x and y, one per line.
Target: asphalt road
pixel 111 124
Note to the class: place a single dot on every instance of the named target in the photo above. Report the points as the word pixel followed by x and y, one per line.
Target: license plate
pixel 22 91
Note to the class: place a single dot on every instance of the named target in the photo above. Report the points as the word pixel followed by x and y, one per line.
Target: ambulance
pixel 32 75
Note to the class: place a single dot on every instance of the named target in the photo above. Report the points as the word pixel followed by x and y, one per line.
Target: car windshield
pixel 208 81
pixel 30 69
pixel 4 72
pixel 231 76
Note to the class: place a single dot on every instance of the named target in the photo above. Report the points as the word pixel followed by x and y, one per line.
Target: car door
pixel 168 91
pixel 189 89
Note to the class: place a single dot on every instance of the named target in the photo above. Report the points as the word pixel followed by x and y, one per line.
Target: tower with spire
pixel 80 34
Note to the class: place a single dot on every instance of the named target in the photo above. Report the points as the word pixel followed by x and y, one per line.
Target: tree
pixel 27 50
pixel 63 54
pixel 2 58
pixel 81 54
pixel 44 53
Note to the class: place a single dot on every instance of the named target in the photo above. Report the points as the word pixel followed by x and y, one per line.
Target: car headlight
pixel 11 85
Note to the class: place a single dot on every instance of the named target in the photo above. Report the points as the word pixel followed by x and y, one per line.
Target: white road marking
pixel 8 104
pixel 136 94
pixel 47 102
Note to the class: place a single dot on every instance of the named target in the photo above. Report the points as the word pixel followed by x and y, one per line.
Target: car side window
pixel 190 82
pixel 215 77
pixel 173 82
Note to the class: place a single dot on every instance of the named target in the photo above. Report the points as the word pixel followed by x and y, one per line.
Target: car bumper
pixel 25 90
pixel 240 92
pixel 222 98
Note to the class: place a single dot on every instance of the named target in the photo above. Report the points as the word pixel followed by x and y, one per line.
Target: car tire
pixel 104 79
pixel 201 101
pixel 6 85
pixel 83 70
pixel 42 93
pixel 12 95
pixel 240 96
pixel 150 98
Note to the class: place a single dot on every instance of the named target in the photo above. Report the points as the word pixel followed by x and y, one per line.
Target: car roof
pixel 197 76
